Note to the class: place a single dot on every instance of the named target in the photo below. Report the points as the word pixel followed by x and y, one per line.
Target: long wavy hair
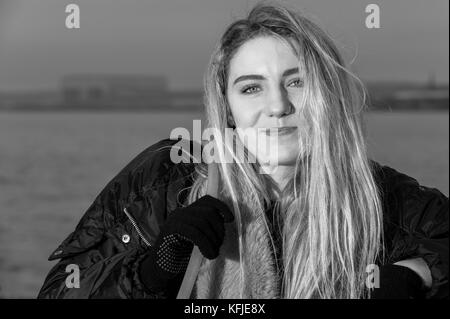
pixel 330 211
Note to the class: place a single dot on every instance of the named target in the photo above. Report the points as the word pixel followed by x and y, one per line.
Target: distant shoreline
pixel 99 110
pixel 198 110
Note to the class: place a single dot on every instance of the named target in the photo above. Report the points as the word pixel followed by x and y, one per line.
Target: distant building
pixel 115 91
pixel 425 99
pixel 30 100
pixel 105 92
pixel 407 96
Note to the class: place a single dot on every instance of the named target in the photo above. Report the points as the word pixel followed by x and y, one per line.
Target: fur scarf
pixel 220 278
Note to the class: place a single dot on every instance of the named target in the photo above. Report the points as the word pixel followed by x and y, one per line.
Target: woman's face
pixel 264 90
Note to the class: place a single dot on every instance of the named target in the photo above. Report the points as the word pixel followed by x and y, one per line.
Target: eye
pixel 296 83
pixel 249 89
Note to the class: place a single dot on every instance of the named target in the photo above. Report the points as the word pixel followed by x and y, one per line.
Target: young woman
pixel 315 219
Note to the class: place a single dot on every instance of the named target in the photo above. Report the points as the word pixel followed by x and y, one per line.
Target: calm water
pixel 52 165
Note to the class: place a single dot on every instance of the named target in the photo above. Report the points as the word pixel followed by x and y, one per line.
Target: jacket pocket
pixel 131 227
pixel 140 233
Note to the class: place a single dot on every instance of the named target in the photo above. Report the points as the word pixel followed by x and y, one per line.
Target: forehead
pixel 264 54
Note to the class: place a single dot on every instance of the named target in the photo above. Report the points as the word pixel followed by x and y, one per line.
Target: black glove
pixel 398 282
pixel 200 224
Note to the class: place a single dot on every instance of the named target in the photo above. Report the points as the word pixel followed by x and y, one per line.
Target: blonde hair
pixel 330 211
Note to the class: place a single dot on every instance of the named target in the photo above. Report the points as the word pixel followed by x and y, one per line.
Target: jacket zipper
pixel 136 227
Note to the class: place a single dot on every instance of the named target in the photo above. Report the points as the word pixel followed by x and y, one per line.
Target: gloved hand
pixel 398 282
pixel 200 224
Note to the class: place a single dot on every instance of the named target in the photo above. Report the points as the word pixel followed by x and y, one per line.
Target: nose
pixel 279 104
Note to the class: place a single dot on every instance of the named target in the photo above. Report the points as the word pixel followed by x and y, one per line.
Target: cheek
pixel 245 112
pixel 295 98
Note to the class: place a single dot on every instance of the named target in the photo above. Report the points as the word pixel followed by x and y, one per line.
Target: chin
pixel 285 154
pixel 276 152
pixel 285 157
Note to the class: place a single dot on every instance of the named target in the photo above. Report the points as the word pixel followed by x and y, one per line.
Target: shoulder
pixel 399 188
pixel 411 210
pixel 155 166
pixel 390 179
pixel 404 196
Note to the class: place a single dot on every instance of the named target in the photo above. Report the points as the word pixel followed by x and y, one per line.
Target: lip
pixel 284 130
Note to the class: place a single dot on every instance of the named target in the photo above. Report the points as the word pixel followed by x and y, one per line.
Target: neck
pixel 280 175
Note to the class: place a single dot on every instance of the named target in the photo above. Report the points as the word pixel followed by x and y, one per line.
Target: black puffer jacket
pixel 110 239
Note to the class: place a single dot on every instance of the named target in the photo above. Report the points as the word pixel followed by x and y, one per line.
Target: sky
pixel 175 38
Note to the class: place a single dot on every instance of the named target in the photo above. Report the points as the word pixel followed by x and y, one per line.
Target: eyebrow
pixel 261 77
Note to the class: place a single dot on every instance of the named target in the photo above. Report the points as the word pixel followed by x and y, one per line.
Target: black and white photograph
pixel 211 149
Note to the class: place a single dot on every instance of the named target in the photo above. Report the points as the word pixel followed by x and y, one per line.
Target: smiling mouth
pixel 285 130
